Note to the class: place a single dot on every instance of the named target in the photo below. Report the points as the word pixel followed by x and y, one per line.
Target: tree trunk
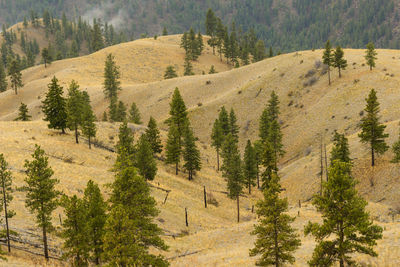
pixel 90 144
pixel 205 197
pixel 76 133
pixel 258 176
pixel 329 75
pixel 341 240
pixel 340 75
pixel 217 159
pixel 46 252
pixel 6 216
pixel 238 214
pixel 276 245
pixel 16 90
pixel 372 157
pixel 249 187
pixel 176 168
pixel 62 130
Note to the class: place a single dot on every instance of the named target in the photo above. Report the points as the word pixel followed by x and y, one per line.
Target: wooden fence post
pixel 205 197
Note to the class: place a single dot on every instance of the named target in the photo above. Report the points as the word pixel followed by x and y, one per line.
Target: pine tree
pixel 6 195
pixel 232 169
pixel 276 239
pixel 105 117
pixel 88 126
pixel 23 113
pixel 153 136
pixel 46 57
pixel 338 60
pixel 372 131
pixel 188 68
pixel 113 109
pixel 173 148
pixel 233 127
pixel 211 28
pixel 212 70
pixel 191 153
pixel 347 227
pixel 74 231
pixel 111 78
pixel 217 139
pixel 165 32
pixel 328 59
pixel 75 108
pixel 370 56
pixel 97 38
pixel 14 70
pixel 129 229
pixel 3 78
pixel 340 150
pixel 259 51
pixel 223 119
pixel 41 195
pixel 200 44
pixel 250 166
pixel 54 107
pixel 134 114
pixel 125 148
pixel 170 73
pixel 121 111
pixel 95 207
pixel 145 162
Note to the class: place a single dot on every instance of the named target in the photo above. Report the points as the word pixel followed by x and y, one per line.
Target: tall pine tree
pixel 14 70
pixel 338 60
pixel 250 165
pixel 88 125
pixel 75 107
pixel 134 114
pixel 23 113
pixel 217 138
pixel 191 153
pixel 153 136
pixel 145 162
pixel 328 59
pixel 3 78
pixel 370 55
pixel 111 77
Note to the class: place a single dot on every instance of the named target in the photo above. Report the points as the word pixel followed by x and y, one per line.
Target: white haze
pixel 100 12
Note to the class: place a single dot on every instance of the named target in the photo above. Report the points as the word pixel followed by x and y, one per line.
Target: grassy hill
pixel 310 109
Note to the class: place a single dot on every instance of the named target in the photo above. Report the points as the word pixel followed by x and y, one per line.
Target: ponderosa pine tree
pixel 347 227
pixel 211 28
pixel 191 153
pixel 200 44
pixel 276 239
pixel 232 169
pixel 259 51
pixel 250 166
pixel 340 150
pixel 3 78
pixel 97 42
pixel 328 59
pixel 217 139
pixel 41 195
pixel 170 72
pixel 75 107
pixel 370 56
pixel 54 107
pixel 258 152
pixel 338 60
pixel 134 114
pixel 112 75
pixel 105 117
pixel 173 148
pixel 74 231
pixel 46 57
pixel 153 136
pixel 88 125
pixel 23 114
pixel 96 208
pixel 125 148
pixel 223 119
pixel 188 68
pixel 233 127
pixel 113 109
pixel 165 32
pixel 14 70
pixel 212 70
pixel 121 112
pixel 372 131
pixel 129 229
pixel 6 196
pixel 145 161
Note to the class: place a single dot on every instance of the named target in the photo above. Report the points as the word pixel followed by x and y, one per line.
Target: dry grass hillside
pixel 310 110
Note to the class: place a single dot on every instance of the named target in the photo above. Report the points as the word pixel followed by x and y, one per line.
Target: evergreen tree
pixel 338 60
pixel 211 28
pixel 250 166
pixel 233 127
pixel 232 169
pixel 125 148
pixel 276 239
pixel 217 139
pixel 41 195
pixel 113 109
pixel 134 114
pixel 3 78
pixel 145 162
pixel 347 227
pixel 271 52
pixel 340 150
pixel 188 68
pixel 54 107
pixel 75 107
pixel 200 44
pixel 170 73
pixel 111 77
pixel 121 111
pixel 105 117
pixel 14 70
pixel 370 56
pixel 153 136
pixel 46 57
pixel 6 195
pixel 97 38
pixel 328 59
pixel 223 119
pixel 95 207
pixel 173 148
pixel 129 229
pixel 88 126
pixel 372 131
pixel 165 32
pixel 212 70
pixel 259 51
pixel 178 112
pixel 191 153
pixel 74 231
pixel 23 113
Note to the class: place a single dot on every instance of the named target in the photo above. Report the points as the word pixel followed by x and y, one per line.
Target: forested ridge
pixel 284 25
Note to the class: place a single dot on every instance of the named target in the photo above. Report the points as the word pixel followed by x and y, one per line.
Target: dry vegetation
pixel 309 110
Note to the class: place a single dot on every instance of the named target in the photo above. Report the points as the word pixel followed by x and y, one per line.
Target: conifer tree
pixel 134 114
pixel 232 169
pixel 54 107
pixel 200 44
pixel 145 162
pixel 3 78
pixel 95 207
pixel 170 72
pixel 6 196
pixel 111 78
pixel 173 148
pixel 74 231
pixel 97 42
pixel 178 112
pixel 165 32
pixel 217 139
pixel 121 111
pixel 250 166
pixel 46 57
pixel 88 126
pixel 347 227
pixel 212 70
pixel 328 59
pixel 153 136
pixel 113 109
pixel 14 70
pixel 276 239
pixel 370 56
pixel 211 28
pixel 233 127
pixel 41 195
pixel 340 150
pixel 258 152
pixel 23 113
pixel 105 117
pixel 75 108
pixel 223 119
pixel 259 51
pixel 125 148
pixel 191 153
pixel 338 60
pixel 188 68
pixel 129 229
pixel 372 131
